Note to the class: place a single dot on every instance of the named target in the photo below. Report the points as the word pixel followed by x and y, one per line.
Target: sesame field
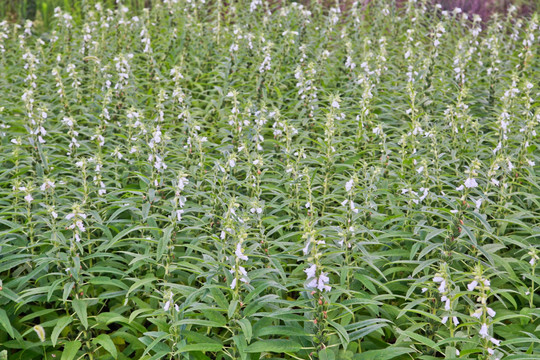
pixel 219 180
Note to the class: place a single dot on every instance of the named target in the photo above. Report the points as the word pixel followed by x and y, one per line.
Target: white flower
pixel 307 205
pixel 484 331
pixel 349 185
pixel 179 214
pixel 233 283
pixel 472 285
pixel 80 225
pixel 312 283
pixel 510 165
pixel 478 203
pixel 455 320
pixel 310 271
pixel 497 148
pixel 491 312
pixel 48 184
pixel 495 341
pixel 478 313
pixel 442 287
pixel 167 305
pixel 439 279
pixel 335 104
pixel 444 319
pixel 28 198
pixel 239 254
pixel 305 250
pixel 459 188
pixel 471 183
pixel 447 305
pixel 323 280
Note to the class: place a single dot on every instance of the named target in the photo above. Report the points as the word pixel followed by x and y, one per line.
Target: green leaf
pixel 343 335
pixel 6 324
pixel 420 338
pixel 80 309
pixel 326 354
pixel 70 350
pixel 164 241
pixel 200 347
pixel 105 341
pixel 383 354
pixel 60 325
pixel 276 346
pixel 246 329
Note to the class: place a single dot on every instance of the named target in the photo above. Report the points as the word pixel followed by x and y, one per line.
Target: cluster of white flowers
pixel 179 201
pixel 145 40
pixel 266 64
pixel 122 68
pixel 76 217
pixel 444 291
pixel 483 312
pixel 170 304
pixel 469 184
pixel 65 17
pixel 317 282
pixel 239 272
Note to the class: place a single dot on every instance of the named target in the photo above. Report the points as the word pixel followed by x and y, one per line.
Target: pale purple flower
pixel 471 183
pixel 323 280
pixel 310 271
pixel 484 331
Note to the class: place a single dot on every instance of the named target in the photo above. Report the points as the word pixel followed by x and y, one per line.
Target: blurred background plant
pixel 42 11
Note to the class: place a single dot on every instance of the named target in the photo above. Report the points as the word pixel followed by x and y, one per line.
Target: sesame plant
pixel 202 179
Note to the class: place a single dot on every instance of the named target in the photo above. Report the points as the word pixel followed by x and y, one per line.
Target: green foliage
pixel 249 180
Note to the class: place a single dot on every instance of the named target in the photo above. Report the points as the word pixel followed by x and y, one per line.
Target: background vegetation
pixel 214 180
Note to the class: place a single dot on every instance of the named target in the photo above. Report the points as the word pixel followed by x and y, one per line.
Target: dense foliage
pixel 205 180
